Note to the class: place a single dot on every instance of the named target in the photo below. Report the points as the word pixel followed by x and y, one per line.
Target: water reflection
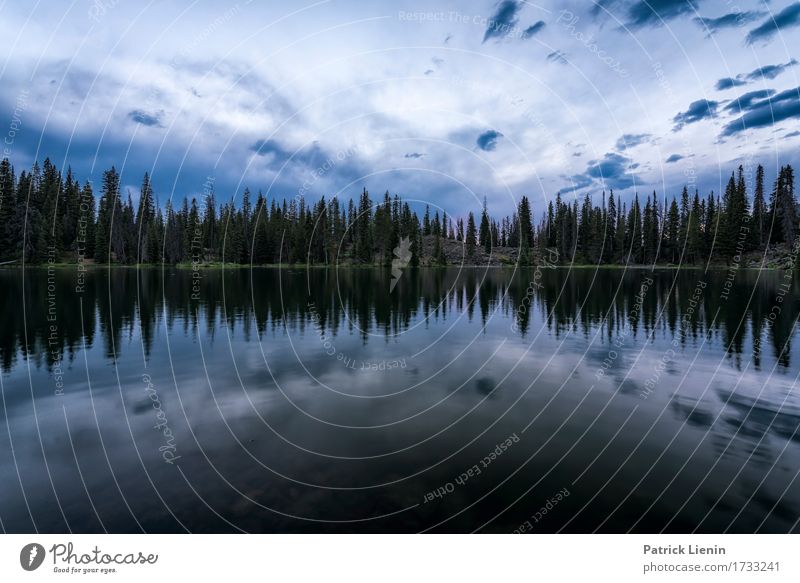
pixel 52 322
pixel 318 400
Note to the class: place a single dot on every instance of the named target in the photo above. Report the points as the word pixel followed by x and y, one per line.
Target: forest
pixel 47 216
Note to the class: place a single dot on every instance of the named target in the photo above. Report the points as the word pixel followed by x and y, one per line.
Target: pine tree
pixel 759 227
pixel 633 242
pixel 673 228
pixel 470 236
pixel 695 242
pixel 648 242
pixel 609 246
pixel 109 205
pixel 147 243
pixel 524 218
pixel 711 228
pixel 8 225
pixel 484 234
pixel 551 231
pixel 86 222
pixel 783 207
pixel 363 229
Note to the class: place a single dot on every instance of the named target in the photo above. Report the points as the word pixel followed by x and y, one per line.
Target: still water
pixel 321 400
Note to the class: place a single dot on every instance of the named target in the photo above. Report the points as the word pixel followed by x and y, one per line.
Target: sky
pixel 443 103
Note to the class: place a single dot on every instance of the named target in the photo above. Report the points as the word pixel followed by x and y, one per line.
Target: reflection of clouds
pixel 757 418
pixel 292 444
pixel 691 412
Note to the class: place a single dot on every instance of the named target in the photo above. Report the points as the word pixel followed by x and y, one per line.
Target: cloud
pixel 654 12
pixel 698 110
pixel 787 18
pixel 770 71
pixel 746 100
pixel 414 155
pixel 631 140
pixel 558 57
pixel 146 119
pixel 277 156
pixel 792 134
pixel 712 25
pixel 503 21
pixel 767 112
pixel 674 158
pixel 763 73
pixel 487 141
pixel 576 182
pixel 612 171
pixel 728 82
pixel 532 30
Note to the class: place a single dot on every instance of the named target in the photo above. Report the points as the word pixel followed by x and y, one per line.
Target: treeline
pixel 47 216
pixel 690 230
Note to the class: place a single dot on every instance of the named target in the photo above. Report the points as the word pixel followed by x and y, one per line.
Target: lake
pixel 324 400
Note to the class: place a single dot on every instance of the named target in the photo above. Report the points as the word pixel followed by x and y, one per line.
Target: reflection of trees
pixel 121 302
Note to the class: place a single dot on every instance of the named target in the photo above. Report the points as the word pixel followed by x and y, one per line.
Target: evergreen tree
pixel 674 246
pixel 695 242
pixel 484 234
pixel 109 205
pixel 633 236
pixel 364 230
pixel 609 245
pixel 86 238
pixel 8 226
pixel 525 222
pixel 759 225
pixel 470 236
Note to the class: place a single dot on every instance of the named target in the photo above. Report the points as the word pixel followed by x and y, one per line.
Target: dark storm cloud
pixel 503 21
pixel 414 155
pixel 770 71
pixel 728 82
pixel 792 134
pixel 746 100
pixel 144 118
pixel 673 158
pixel 698 110
pixel 487 141
pixel 631 140
pixel 712 25
pixel 789 17
pixel 532 30
pixel 767 112
pixel 557 57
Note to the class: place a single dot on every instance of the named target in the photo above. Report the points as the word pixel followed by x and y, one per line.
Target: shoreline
pixel 223 266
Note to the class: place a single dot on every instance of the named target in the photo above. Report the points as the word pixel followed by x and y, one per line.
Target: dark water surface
pixel 316 400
